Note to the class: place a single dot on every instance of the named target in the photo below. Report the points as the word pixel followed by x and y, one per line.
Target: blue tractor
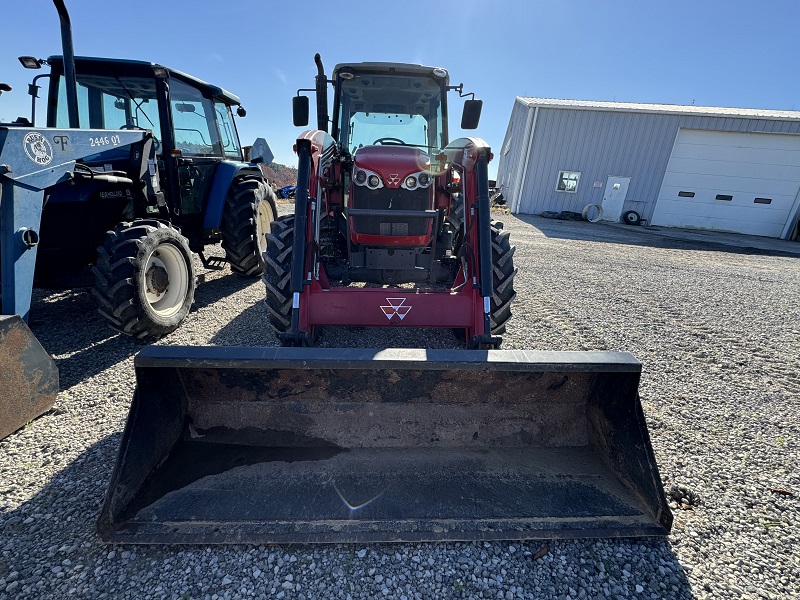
pixel 139 252
pixel 139 167
pixel 287 191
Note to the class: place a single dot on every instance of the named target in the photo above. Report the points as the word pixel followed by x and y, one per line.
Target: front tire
pixel 144 278
pixel 278 273
pixel 503 272
pixel 249 210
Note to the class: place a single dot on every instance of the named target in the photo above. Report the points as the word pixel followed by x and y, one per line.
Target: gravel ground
pixel 718 332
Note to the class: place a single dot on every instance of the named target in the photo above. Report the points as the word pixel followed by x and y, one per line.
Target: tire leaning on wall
pixel 587 210
pixel 631 217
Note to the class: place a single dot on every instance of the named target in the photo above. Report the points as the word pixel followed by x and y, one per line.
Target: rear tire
pixel 144 278
pixel 278 273
pixel 249 210
pixel 503 273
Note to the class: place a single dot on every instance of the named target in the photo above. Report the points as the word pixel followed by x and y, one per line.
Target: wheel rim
pixel 263 220
pixel 166 280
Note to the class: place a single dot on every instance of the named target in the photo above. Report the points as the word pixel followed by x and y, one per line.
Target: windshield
pixel 112 103
pixel 390 110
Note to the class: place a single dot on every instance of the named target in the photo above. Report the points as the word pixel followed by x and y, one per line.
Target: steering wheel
pixel 389 141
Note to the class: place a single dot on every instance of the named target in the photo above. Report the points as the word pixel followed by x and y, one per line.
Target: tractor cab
pixel 391 120
pixel 394 220
pixel 192 124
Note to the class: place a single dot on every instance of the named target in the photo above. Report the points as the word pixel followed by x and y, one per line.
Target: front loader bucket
pixel 28 376
pixel 288 445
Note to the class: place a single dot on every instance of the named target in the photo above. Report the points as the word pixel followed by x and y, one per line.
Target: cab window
pixel 193 120
pixel 230 141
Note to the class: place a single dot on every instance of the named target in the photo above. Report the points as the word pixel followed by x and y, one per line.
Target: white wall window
pixel 568 181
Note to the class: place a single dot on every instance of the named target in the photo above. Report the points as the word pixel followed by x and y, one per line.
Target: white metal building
pixel 728 169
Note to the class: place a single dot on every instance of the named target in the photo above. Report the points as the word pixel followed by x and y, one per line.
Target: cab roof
pixel 387 67
pixel 140 68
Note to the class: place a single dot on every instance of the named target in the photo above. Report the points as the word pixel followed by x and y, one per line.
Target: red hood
pixel 392 163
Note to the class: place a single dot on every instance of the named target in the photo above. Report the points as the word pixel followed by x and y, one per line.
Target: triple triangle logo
pixel 397 306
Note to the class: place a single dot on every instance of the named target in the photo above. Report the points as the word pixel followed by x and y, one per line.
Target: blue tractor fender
pixel 224 175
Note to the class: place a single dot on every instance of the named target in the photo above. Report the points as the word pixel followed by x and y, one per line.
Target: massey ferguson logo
pixel 393 179
pixel 397 306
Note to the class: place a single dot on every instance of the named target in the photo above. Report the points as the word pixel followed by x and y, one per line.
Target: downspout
pixel 527 144
pixel 69 64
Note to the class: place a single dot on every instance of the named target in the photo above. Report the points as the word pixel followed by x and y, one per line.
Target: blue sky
pixel 712 52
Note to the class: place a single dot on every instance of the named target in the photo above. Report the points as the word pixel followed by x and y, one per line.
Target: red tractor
pixel 386 199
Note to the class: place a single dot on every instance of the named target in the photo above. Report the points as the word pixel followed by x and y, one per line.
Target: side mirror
pixel 300 111
pixel 241 112
pixel 260 152
pixel 472 114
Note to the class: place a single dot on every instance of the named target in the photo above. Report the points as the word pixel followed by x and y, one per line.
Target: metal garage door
pixel 743 182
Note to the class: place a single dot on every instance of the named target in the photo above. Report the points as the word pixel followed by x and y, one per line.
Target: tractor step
pixel 213 263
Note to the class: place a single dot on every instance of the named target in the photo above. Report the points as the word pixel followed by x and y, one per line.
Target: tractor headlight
pixel 366 177
pixel 421 179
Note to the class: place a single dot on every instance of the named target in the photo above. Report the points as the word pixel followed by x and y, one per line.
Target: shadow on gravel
pixel 57 524
pixel 68 320
pixel 634 236
pixel 57 527
pixel 213 290
pixel 249 328
pixel 70 329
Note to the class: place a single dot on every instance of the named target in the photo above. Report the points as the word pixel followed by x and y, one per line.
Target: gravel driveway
pixel 718 332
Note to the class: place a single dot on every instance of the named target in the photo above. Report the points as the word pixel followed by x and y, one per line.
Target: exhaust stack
pixel 322 95
pixel 69 64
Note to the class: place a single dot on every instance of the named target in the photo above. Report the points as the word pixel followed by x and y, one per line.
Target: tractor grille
pixel 391 199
